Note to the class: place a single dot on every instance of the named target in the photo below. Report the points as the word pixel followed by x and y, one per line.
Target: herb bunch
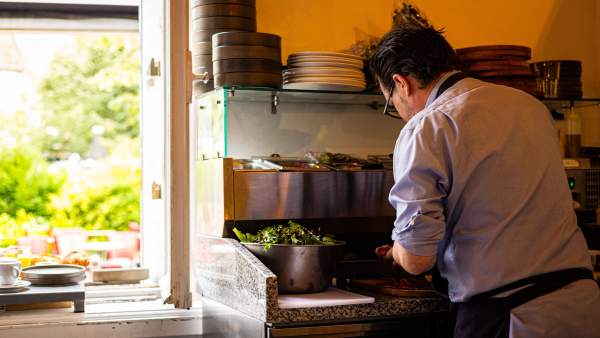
pixel 291 234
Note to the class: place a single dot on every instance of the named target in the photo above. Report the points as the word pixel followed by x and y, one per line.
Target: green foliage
pixel 96 84
pixel 20 225
pixel 293 233
pixel 108 205
pixel 26 183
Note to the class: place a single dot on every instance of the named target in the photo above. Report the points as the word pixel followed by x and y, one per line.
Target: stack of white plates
pixel 324 71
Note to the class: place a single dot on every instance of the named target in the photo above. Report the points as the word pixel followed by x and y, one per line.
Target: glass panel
pixel 211 127
pixel 258 94
pixel 264 121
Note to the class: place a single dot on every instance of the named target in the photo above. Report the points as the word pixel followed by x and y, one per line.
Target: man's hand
pixel 413 264
pixel 385 252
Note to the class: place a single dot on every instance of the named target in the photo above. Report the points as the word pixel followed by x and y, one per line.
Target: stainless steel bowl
pixel 299 268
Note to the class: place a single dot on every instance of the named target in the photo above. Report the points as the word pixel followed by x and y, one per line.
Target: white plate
pixel 336 54
pixel 325 59
pixel 323 71
pixel 335 80
pixel 324 64
pixel 321 57
pixel 323 86
pixel 356 77
pixel 19 286
pixel 349 81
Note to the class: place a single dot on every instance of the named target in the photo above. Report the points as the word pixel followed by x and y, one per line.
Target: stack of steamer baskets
pixel 247 59
pixel 501 64
pixel 210 17
pixel 324 71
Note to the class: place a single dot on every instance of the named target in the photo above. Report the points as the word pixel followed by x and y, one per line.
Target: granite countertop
pixel 385 306
pixel 228 273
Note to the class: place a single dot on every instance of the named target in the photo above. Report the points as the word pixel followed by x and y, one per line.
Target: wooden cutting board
pixel 507 72
pixel 494 52
pixel 522 49
pixel 495 55
pixel 478 66
pixel 390 287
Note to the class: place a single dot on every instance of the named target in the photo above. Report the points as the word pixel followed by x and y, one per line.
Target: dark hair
pixel 411 50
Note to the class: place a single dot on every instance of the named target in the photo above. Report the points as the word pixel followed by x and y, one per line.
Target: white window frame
pixel 179 98
pixel 165 249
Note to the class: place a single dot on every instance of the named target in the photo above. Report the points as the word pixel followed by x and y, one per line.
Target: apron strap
pixel 449 82
pixel 440 284
pixel 539 285
pixel 546 284
pixel 484 316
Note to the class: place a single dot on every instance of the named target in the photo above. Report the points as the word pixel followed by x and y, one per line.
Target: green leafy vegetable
pixel 293 233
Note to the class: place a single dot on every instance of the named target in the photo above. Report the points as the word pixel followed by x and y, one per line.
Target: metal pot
pixel 299 268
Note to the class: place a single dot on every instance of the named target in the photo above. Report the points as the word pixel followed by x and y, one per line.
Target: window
pixel 73 166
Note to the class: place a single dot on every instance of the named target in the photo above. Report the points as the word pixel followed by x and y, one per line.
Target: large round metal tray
pixel 54 274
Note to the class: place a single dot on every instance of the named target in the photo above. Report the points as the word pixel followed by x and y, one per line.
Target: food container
pixel 299 268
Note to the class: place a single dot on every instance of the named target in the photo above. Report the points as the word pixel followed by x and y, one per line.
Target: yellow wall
pixel 555 29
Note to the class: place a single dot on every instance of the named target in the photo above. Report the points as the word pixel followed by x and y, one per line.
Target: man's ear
pixel 402 84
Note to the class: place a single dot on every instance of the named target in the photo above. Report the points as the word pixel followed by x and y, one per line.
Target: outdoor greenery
pixel 46 178
pixel 110 202
pixel 98 84
pixel 26 183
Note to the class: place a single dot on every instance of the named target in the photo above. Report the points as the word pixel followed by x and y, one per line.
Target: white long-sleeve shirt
pixel 479 182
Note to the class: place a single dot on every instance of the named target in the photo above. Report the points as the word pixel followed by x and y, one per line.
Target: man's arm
pixel 410 262
pixel 413 264
pixel 422 174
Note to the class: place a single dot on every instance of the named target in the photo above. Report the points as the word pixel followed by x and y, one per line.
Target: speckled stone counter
pixel 228 273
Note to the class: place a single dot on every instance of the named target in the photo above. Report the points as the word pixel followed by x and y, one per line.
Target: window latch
pixel 156 191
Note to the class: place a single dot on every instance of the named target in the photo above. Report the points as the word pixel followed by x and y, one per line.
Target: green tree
pixel 98 84
pixel 26 184
pixel 108 201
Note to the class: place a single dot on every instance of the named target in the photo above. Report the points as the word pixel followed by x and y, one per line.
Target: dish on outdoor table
pixel 19 286
pixel 55 274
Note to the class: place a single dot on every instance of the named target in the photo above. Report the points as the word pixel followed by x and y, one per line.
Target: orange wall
pixel 555 29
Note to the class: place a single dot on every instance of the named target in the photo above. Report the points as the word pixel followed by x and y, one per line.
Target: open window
pixel 85 119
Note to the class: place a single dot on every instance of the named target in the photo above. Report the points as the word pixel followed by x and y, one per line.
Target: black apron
pixel 486 316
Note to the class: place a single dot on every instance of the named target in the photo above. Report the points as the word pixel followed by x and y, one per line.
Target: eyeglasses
pixel 389 109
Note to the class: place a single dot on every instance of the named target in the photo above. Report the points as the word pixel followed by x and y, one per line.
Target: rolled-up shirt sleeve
pixel 422 181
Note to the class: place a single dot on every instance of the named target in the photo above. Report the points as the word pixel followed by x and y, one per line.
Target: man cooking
pixel 480 192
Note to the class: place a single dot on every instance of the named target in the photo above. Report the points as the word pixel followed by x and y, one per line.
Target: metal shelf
pixel 282 96
pixel 555 105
